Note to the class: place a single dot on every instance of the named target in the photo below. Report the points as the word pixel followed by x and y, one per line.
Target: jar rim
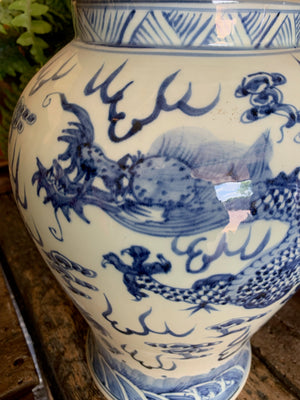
pixel 218 24
pixel 213 2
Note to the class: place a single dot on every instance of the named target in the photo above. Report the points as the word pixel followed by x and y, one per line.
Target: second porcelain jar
pixel 155 161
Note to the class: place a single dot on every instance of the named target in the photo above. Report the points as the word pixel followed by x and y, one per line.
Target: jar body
pixel 161 186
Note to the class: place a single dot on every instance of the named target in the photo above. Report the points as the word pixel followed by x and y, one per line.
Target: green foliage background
pixel 31 32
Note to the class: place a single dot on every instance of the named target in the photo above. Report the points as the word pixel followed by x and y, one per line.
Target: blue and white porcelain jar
pixel 155 161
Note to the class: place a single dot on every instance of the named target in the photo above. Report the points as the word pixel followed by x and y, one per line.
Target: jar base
pixel 223 383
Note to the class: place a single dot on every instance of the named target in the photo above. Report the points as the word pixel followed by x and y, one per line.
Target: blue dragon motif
pixel 66 268
pixel 262 282
pixel 267 99
pixel 171 192
pixel 140 266
pixel 155 193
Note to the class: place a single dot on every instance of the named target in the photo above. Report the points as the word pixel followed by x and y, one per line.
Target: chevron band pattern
pixel 161 25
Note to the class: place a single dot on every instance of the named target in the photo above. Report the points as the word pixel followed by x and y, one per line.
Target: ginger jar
pixel 155 161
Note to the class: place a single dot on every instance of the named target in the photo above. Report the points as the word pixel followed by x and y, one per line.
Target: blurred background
pixel 31 32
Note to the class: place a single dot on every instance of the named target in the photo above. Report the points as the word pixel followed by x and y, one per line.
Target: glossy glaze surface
pixel 161 185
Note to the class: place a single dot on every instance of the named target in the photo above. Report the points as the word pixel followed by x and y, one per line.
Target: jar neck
pixel 189 25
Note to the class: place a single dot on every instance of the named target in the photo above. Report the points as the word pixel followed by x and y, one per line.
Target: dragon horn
pixel 85 125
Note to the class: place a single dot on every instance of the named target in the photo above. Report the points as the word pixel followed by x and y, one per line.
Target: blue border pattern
pixel 178 26
pixel 219 384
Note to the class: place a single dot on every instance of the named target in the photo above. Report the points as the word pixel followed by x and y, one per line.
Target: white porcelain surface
pixel 161 185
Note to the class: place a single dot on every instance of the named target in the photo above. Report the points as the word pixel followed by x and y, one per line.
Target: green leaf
pixel 40 43
pixel 12 60
pixel 39 26
pixel 38 55
pixel 3 30
pixel 21 20
pixel 37 50
pixel 25 39
pixel 37 9
pixel 19 5
pixel 6 15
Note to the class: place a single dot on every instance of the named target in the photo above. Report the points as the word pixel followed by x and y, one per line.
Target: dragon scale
pixel 262 282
